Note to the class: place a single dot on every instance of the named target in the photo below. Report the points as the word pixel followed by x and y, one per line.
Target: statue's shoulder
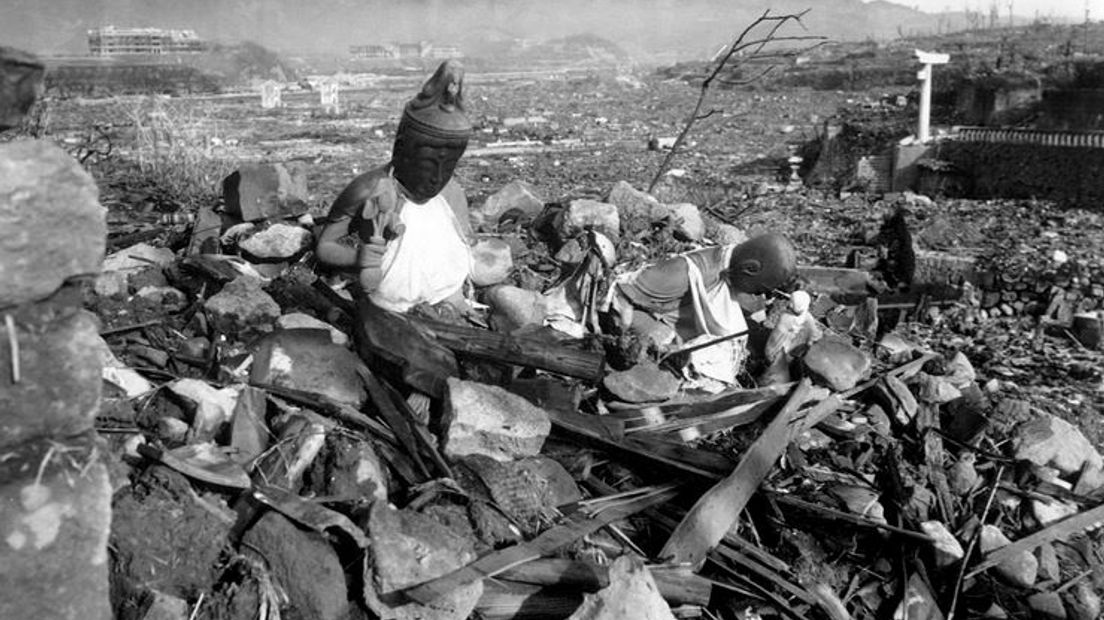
pixel 374 185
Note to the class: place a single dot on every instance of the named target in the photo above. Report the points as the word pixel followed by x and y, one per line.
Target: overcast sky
pixel 1070 9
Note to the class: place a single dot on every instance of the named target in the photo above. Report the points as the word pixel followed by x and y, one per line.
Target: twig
pixel 973 543
pixel 13 345
pixel 129 328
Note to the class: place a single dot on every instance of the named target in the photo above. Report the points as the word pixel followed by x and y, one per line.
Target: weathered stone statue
pixel 403 227
pixel 795 331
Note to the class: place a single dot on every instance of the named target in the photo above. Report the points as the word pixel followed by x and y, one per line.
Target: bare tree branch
pixel 739 45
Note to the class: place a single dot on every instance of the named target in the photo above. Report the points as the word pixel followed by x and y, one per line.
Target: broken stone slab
pixel 308 360
pixel 266 191
pixel 21 83
pixel 935 390
pixel 54 557
pixel 277 242
pixel 643 383
pixel 837 363
pixel 120 268
pixel 60 375
pixel 688 221
pixel 946 547
pixel 408 548
pixel 1047 606
pixel 299 320
pixel 582 215
pixel 53 225
pixel 634 203
pixel 518 196
pixel 631 595
pixel 303 564
pixel 486 419
pixel 242 306
pixel 1049 441
pixel 1019 570
pixel 1048 563
pixel 492 262
pixel 1047 512
pixel 213 407
pixel 529 490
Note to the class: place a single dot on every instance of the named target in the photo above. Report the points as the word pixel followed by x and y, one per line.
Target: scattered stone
pixel 167 296
pixel 303 564
pixel 242 306
pixel 518 195
pixel 21 76
pixel 529 490
pixel 299 320
pixel 408 548
pixel 167 607
pixel 54 227
pixel 1019 570
pixel 266 191
pixel 1048 563
pixel 1085 602
pixel 350 467
pixel 947 549
pixel 727 234
pixel 643 383
pixel 195 347
pixel 634 203
pixel 572 253
pixel 1047 606
pixel 1047 512
pixel 813 439
pixel 54 557
pixel 120 268
pixel 1051 441
pixel 61 376
pixel 308 360
pixel 918 603
pixel 213 407
pixel 962 476
pixel 486 419
pixel 586 214
pixel 688 221
pixel 631 595
pixel 278 242
pixel 837 363
pixel 492 262
pixel 513 308
pixel 960 372
pixel 895 349
pixel 172 431
pixel 248 432
pixel 935 390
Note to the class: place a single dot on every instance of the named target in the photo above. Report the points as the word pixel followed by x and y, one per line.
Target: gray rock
pixel 632 594
pixel 528 490
pixel 918 603
pixel 304 565
pixel 167 296
pixel 492 262
pixel 167 607
pixel 278 242
pixel 52 227
pixel 308 360
pixel 53 558
pixel 946 547
pixel 21 77
pixel 642 383
pixel 517 195
pixel 119 268
pixel 1085 602
pixel 935 390
pixel 688 220
pixel 242 306
pixel 213 407
pixel 408 548
pixel 1020 570
pixel 837 363
pixel 962 476
pixel 266 191
pixel 1049 441
pixel 633 203
pixel 1048 563
pixel 298 320
pixel 1047 606
pixel 585 214
pixel 513 307
pixel 486 419
pixel 352 468
pixel 61 380
pixel 727 234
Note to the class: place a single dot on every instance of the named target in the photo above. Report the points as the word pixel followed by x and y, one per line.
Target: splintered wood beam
pixel 522 351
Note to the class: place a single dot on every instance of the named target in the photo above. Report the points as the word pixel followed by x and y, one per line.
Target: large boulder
pixel 266 191
pixel 488 420
pixel 21 77
pixel 53 561
pixel 52 227
pixel 61 370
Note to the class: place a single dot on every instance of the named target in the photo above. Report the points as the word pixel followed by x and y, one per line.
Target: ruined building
pixel 112 41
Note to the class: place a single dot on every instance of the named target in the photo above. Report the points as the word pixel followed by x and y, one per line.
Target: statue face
pixel 424 169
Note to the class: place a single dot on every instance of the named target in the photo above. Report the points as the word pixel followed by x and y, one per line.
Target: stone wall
pixel 55 496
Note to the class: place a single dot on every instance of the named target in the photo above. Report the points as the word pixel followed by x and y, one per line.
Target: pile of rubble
pixel 218 447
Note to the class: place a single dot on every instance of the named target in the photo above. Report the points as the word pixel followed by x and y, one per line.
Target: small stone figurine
pixel 795 331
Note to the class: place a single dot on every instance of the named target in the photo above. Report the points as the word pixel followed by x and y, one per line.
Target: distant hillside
pixel 685 28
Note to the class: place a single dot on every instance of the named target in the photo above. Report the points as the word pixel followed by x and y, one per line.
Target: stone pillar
pixel 923 130
pixel 55 497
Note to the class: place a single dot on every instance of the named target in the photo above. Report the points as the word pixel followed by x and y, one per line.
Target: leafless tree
pixel 749 46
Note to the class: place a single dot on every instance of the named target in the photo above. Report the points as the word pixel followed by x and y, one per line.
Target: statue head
pixel 762 264
pixel 432 135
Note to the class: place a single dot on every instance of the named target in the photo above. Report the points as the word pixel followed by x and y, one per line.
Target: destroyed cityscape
pixel 589 311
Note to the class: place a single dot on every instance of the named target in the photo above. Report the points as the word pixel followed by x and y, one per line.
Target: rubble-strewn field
pixel 243 493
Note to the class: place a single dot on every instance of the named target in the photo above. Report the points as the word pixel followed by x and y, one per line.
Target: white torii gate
pixel 923 131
